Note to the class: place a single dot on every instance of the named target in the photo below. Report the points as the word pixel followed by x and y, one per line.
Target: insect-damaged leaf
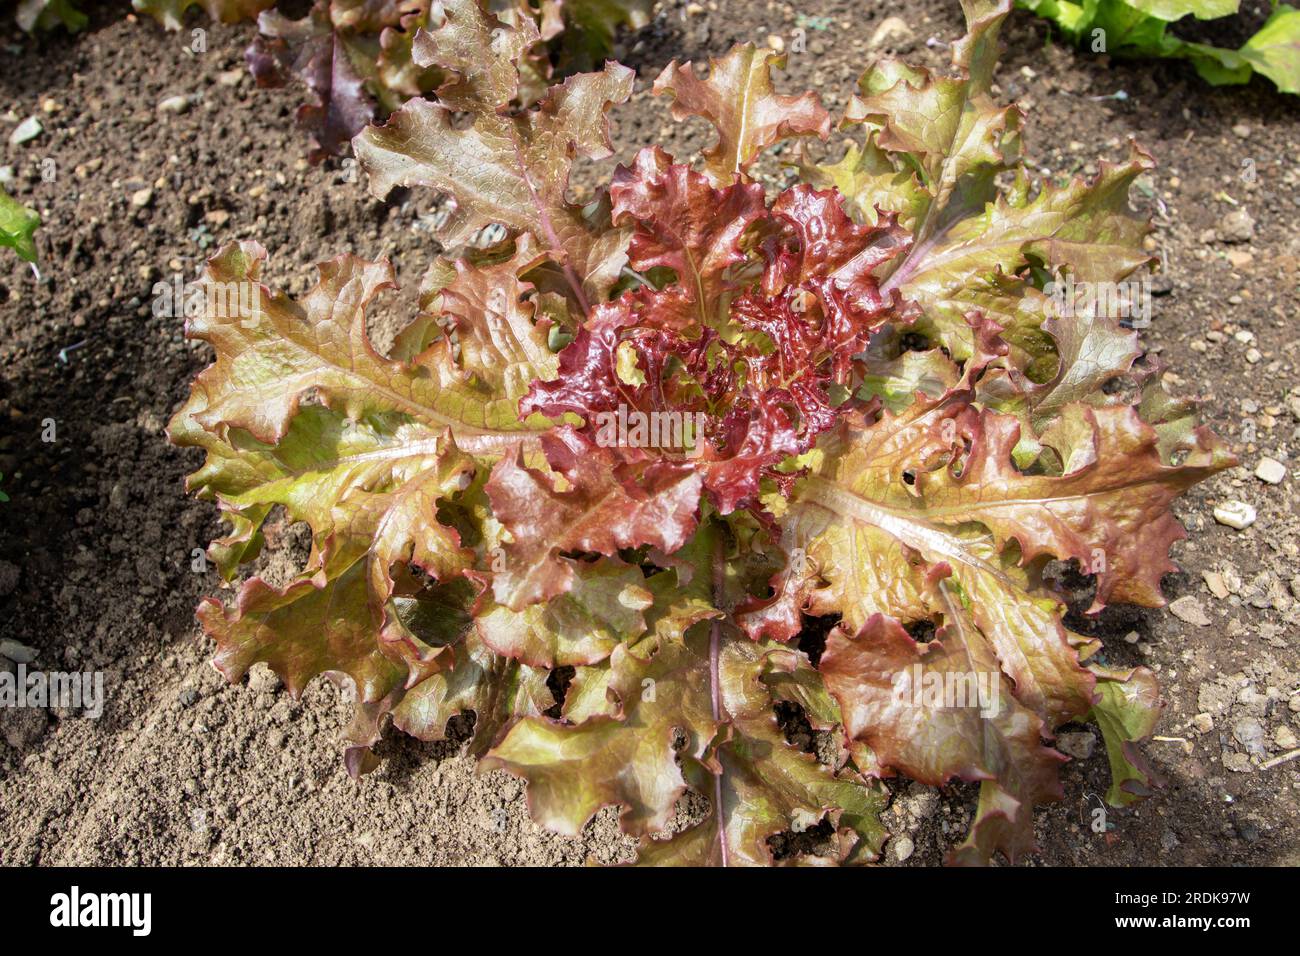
pixel 706 684
pixel 511 170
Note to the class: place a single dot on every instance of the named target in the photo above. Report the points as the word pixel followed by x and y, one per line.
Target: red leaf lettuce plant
pixel 629 461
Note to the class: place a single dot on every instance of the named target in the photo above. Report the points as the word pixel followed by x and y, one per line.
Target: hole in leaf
pixel 913 342
pixel 794 724
pixel 812 638
pixel 460 728
pixel 920 631
pixel 816 840
pixel 589 557
pixel 557 682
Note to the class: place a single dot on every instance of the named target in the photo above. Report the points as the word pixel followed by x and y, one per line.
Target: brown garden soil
pixel 96 543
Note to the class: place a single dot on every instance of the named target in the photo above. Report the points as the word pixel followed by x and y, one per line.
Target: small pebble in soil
pixel 1270 470
pixel 1214 581
pixel 1189 610
pixel 802 821
pixel 26 131
pixel 901 848
pixel 1203 723
pixel 18 653
pixel 1079 745
pixel 1237 226
pixel 175 105
pixel 1250 734
pixel 1235 514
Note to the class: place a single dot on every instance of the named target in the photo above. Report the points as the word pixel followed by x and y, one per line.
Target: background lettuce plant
pixel 900 434
pixel 1140 28
pixel 33 15
pixel 17 223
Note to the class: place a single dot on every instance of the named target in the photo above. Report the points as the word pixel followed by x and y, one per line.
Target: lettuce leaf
pixel 1139 28
pixel 17 223
pixel 33 15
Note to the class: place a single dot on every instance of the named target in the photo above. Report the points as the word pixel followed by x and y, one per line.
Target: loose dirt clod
pixel 1188 609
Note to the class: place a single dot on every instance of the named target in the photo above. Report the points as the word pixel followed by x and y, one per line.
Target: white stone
pixel 27 130
pixel 1235 514
pixel 1270 470
pixel 174 104
pixel 902 847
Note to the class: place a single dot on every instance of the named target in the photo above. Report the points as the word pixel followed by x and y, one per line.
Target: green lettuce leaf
pixel 17 223
pixel 1139 28
pixel 33 15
